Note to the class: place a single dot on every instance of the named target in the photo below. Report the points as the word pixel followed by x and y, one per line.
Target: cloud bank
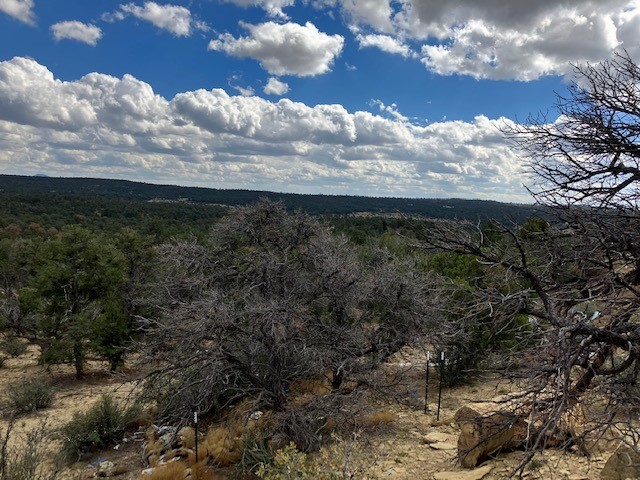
pixel 494 39
pixel 100 125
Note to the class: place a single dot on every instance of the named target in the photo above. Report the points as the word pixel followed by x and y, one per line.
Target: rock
pixel 481 435
pixel 435 437
pixel 623 463
pixel 442 446
pixel 476 474
pixel 105 469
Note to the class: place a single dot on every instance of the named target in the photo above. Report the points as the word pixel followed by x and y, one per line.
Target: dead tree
pixel 578 279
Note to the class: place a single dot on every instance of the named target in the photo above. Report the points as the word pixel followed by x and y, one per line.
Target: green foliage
pixel 31 395
pixel 14 347
pixel 340 460
pixel 78 282
pixel 288 464
pixel 462 268
pixel 532 227
pixel 255 452
pixel 98 427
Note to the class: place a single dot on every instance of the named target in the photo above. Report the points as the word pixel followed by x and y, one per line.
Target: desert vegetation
pixel 281 329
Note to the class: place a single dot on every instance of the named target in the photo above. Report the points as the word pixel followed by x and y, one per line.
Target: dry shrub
pixel 200 471
pixel 187 436
pixel 168 471
pixel 375 419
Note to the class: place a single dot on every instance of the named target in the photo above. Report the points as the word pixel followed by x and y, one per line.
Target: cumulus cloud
pixel 495 39
pixel 19 9
pixel 73 30
pixel 275 87
pixel 284 49
pixel 100 125
pixel 386 43
pixel 175 19
pixel 272 7
pixel 374 13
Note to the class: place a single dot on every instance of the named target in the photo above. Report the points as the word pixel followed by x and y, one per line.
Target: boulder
pixel 482 435
pixel 623 463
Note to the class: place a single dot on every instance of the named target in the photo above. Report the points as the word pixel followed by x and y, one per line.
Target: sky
pixel 403 98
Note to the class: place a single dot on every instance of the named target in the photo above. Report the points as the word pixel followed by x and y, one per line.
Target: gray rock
pixel 622 464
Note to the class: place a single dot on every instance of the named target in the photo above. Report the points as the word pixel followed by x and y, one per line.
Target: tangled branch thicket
pixel 576 276
pixel 271 301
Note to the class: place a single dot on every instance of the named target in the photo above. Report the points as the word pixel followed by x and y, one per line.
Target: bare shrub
pixel 273 303
pixel 27 456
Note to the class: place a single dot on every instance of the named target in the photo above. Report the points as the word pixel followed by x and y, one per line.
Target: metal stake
pixel 426 387
pixel 195 424
pixel 440 386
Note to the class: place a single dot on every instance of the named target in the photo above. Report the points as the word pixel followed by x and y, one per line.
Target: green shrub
pixel 255 452
pixel 288 463
pixel 31 395
pixel 98 427
pixel 14 347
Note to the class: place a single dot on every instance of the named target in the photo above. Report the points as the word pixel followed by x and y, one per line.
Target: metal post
pixel 426 386
pixel 195 424
pixel 440 386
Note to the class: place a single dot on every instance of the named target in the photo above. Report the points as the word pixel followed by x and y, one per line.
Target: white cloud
pixel 272 7
pixel 275 87
pixel 375 13
pixel 100 125
pixel 73 30
pixel 385 43
pixel 494 39
pixel 391 110
pixel 284 49
pixel 19 9
pixel 173 18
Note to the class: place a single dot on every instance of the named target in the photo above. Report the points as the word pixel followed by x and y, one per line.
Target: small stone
pixel 476 474
pixel 435 437
pixel 105 469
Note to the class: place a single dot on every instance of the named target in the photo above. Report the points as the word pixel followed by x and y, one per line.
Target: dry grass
pixel 222 446
pixel 375 419
pixel 319 387
pixel 187 437
pixel 168 471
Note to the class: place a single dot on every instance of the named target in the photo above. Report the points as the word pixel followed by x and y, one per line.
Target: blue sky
pixel 367 97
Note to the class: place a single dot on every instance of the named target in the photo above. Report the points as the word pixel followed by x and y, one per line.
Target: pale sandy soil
pixel 400 449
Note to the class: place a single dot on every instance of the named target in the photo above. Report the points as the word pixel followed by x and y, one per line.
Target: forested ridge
pixel 48 189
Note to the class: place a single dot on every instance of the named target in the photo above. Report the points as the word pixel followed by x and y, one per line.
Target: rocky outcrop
pixel 482 435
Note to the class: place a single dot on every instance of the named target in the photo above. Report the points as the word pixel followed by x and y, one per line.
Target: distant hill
pixel 315 204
